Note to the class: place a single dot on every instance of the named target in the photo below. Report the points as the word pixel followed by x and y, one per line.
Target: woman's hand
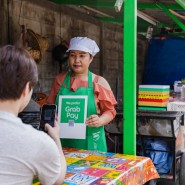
pixel 93 121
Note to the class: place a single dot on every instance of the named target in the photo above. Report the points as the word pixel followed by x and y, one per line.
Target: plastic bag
pixel 162 159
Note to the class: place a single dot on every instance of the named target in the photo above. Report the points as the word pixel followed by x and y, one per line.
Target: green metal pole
pixel 173 17
pixel 129 77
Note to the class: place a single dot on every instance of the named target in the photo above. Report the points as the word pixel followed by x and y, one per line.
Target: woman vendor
pixel 101 101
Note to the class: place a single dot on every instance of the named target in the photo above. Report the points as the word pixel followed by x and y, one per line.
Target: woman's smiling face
pixel 79 61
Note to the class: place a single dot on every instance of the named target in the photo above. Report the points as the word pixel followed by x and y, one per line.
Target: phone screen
pixel 48 113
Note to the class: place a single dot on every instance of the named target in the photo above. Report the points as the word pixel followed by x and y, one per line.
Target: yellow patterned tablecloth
pixel 86 167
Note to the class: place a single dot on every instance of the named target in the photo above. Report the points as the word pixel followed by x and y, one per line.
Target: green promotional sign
pixel 73 109
pixel 72 113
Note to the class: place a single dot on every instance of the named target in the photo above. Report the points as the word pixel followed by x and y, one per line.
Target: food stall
pixel 129 97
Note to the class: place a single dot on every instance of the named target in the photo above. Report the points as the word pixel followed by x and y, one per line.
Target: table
pixel 85 167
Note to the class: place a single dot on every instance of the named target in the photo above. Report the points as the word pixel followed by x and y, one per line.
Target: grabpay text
pixel 72 112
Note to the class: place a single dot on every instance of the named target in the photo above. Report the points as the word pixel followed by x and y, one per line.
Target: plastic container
pixel 183 92
pixel 177 86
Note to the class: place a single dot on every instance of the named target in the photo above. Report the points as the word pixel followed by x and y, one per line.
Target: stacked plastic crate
pixel 153 97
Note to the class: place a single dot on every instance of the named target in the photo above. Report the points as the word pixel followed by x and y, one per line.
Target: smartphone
pixel 48 114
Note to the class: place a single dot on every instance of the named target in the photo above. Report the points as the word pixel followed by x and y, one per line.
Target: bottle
pixel 149 32
pixel 183 92
pixel 177 86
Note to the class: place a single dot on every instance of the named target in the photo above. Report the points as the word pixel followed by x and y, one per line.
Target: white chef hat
pixel 83 44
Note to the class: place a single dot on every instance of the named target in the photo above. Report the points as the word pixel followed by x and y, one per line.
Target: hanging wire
pixel 60 22
pixel 20 13
pixel 8 19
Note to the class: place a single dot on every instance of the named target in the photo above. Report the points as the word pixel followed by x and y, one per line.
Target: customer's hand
pixel 53 132
pixel 93 121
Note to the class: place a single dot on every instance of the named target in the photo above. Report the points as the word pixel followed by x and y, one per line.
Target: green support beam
pixel 180 34
pixel 154 6
pixel 129 77
pixel 109 4
pixel 181 3
pixel 173 17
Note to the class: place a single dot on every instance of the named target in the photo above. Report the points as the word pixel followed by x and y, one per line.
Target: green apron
pixel 95 137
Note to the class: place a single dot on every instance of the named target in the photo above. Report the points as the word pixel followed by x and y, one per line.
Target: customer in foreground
pixel 25 153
